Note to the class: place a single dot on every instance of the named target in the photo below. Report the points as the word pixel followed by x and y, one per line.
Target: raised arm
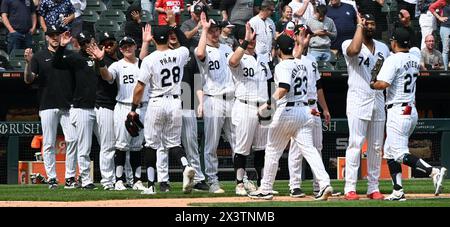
pixel 147 38
pixel 28 76
pixel 355 46
pixel 201 49
pixel 235 59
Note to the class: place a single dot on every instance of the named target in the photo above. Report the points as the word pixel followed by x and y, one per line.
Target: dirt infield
pixel 176 202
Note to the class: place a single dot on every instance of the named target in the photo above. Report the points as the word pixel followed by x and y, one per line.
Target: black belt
pixel 160 96
pixel 311 102
pixel 293 103
pixel 129 104
pixel 391 105
pixel 252 103
pixel 224 96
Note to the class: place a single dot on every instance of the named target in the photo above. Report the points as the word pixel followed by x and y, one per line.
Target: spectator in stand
pixel 404 20
pixel 77 24
pixel 373 7
pixel 324 31
pixel 408 5
pixel 431 59
pixel 162 6
pixel 134 25
pixel 344 18
pixel 442 17
pixel 225 36
pixel 285 18
pixel 238 12
pixel 19 17
pixel 192 27
pixel 50 12
pixel 265 30
pixel 302 10
pixel 427 21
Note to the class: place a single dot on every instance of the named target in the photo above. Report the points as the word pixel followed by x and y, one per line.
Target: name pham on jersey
pixel 298 68
pixel 410 64
pixel 168 60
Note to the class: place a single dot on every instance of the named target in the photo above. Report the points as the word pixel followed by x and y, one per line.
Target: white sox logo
pixel 20 128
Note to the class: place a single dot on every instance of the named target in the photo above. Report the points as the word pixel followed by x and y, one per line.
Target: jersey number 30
pixel 166 73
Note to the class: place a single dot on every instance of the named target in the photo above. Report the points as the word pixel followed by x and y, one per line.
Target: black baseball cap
pixel 197 9
pixel 84 37
pixel 53 30
pixel 226 24
pixel 401 35
pixel 304 27
pixel 103 36
pixel 161 33
pixel 368 17
pixel 126 40
pixel 240 32
pixel 285 43
pixel 215 23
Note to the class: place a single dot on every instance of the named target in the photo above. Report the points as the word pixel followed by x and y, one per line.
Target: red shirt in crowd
pixel 168 4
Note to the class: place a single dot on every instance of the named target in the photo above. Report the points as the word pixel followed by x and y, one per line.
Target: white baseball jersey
pixel 400 70
pixel 265 33
pixel 216 77
pixel 126 75
pixel 250 78
pixel 313 76
pixel 361 100
pixel 163 70
pixel 293 72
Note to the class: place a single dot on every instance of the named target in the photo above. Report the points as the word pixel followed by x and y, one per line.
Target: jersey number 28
pixel 166 73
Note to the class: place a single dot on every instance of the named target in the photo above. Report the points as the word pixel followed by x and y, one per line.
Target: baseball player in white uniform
pixel 162 71
pixel 315 94
pixel 292 119
pixel 189 138
pixel 265 30
pixel 55 90
pixel 216 101
pixel 398 76
pixel 365 107
pixel 125 73
pixel 251 75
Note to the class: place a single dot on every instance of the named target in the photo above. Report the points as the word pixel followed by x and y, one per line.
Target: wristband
pixel 360 25
pixel 101 63
pixel 244 44
pixel 134 107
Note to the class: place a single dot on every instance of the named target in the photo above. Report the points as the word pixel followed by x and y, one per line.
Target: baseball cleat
pixel 351 196
pixel 119 186
pixel 297 193
pixel 215 188
pixel 138 186
pixel 149 191
pixel 52 183
pixel 90 186
pixel 438 178
pixel 397 195
pixel 70 183
pixel 260 195
pixel 324 193
pixel 249 186
pixel 375 196
pixel 188 179
pixel 108 187
pixel 240 189
pixel 164 186
pixel 201 186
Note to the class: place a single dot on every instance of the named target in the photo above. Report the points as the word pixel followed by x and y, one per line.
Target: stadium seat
pixel 341 64
pixel 17 54
pixel 146 16
pixel 95 5
pixel 18 64
pixel 90 16
pixel 106 26
pixel 115 15
pixel 118 4
pixel 324 65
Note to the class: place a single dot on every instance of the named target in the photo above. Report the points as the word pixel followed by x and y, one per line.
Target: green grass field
pixel 42 193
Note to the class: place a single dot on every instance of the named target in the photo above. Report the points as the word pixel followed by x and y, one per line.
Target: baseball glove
pixel 133 124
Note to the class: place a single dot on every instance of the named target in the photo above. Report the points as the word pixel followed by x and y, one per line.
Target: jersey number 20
pixel 166 73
